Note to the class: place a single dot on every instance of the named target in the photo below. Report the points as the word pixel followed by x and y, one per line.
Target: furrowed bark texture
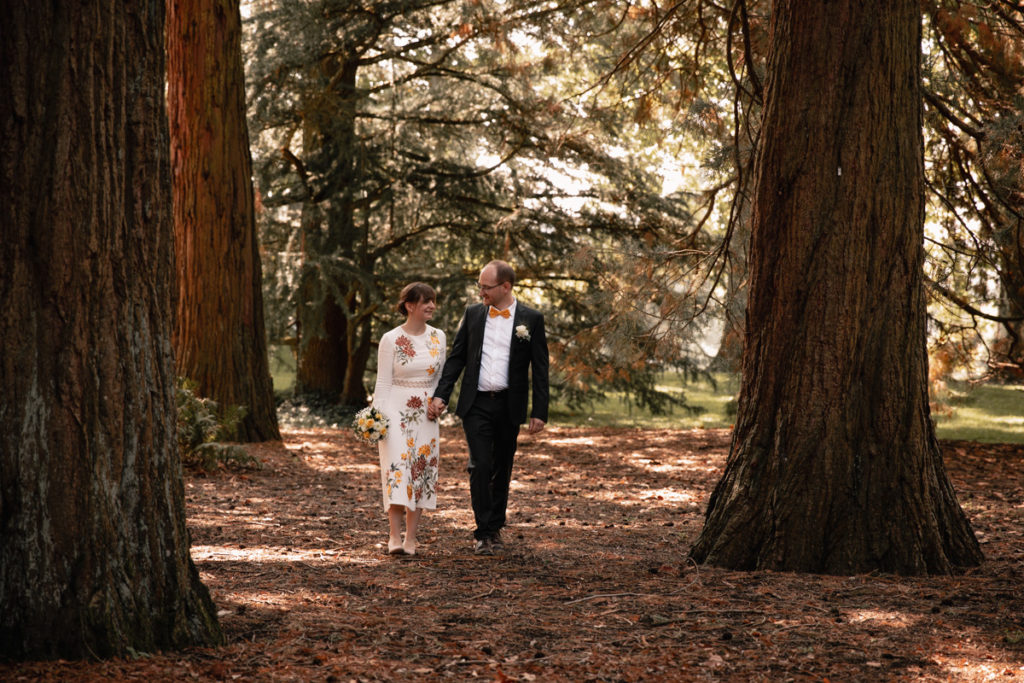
pixel 93 541
pixel 834 466
pixel 220 339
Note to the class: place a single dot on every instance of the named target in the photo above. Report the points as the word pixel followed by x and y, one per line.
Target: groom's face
pixel 491 292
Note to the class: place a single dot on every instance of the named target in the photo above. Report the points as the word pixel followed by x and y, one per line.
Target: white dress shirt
pixel 495 352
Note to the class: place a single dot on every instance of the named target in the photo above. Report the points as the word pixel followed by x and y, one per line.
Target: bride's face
pixel 421 311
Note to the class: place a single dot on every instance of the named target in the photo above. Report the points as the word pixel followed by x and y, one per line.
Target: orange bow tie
pixel 494 313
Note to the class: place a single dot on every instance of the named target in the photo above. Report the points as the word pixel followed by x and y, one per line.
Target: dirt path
pixel 594 586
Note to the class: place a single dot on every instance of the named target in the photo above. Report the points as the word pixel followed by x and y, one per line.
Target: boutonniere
pixel 522 333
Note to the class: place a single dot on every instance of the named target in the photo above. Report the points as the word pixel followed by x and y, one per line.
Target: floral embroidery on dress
pixel 424 471
pixel 434 349
pixel 421 460
pixel 404 349
pixel 412 415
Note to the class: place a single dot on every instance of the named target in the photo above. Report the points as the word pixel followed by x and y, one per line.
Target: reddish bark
pixel 94 558
pixel 220 340
pixel 834 465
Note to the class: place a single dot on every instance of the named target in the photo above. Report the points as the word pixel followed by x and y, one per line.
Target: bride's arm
pixel 440 362
pixel 385 364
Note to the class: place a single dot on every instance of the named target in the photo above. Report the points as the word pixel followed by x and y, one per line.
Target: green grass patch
pixel 990 413
pixel 282 368
pixel 708 402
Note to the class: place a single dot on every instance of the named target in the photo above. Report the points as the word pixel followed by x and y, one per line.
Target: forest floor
pixel 595 584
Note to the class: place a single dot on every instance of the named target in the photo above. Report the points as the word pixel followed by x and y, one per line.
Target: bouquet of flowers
pixel 370 425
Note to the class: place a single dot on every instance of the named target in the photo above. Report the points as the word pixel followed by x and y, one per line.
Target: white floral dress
pixel 408 369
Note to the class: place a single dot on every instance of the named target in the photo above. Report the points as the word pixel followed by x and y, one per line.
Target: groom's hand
pixel 536 424
pixel 435 409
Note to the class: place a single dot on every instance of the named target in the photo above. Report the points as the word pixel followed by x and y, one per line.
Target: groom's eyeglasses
pixel 483 288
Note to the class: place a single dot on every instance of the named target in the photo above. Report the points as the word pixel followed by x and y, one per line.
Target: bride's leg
pixel 395 514
pixel 412 521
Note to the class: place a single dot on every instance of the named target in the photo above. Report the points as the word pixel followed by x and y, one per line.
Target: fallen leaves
pixel 595 584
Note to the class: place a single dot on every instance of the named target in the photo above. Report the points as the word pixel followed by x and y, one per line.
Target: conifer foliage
pixel 974 113
pixel 415 140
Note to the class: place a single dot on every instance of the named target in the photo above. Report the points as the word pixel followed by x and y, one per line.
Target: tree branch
pixel 963 304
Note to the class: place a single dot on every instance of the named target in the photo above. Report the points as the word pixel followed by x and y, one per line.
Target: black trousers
pixel 492 440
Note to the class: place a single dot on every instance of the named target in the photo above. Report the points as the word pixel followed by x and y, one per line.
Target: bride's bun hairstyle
pixel 414 293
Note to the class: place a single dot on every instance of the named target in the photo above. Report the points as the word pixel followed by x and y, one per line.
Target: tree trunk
pixel 95 558
pixel 323 356
pixel 1007 363
pixel 359 346
pixel 220 339
pixel 335 343
pixel 834 465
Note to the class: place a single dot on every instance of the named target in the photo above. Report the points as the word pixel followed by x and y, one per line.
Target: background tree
pixel 343 190
pixel 834 465
pixel 394 148
pixel 220 338
pixel 92 518
pixel 975 147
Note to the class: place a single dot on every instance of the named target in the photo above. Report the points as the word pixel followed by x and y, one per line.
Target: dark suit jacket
pixel 524 356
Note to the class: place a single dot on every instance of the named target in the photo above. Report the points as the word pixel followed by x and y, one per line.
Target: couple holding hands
pixel 500 344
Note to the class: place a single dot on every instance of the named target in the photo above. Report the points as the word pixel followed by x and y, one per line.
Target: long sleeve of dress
pixel 440 363
pixel 385 365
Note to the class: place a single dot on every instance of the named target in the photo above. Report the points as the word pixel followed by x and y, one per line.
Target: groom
pixel 498 343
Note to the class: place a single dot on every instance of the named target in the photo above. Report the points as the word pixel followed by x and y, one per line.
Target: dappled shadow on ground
pixel 594 586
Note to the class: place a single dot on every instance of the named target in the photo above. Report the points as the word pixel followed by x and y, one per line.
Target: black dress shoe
pixel 497 544
pixel 483 547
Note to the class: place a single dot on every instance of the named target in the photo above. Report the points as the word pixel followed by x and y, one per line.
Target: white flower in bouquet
pixel 370 425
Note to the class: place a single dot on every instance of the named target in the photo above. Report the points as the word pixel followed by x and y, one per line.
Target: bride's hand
pixel 435 409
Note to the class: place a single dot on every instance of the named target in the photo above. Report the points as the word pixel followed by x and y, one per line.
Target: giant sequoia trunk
pixel 220 340
pixel 834 465
pixel 94 558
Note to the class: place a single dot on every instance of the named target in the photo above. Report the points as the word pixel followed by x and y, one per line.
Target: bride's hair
pixel 414 293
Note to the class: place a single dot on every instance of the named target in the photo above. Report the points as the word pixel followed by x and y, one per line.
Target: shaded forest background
pixel 607 151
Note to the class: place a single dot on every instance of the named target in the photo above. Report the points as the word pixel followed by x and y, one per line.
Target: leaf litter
pixel 594 585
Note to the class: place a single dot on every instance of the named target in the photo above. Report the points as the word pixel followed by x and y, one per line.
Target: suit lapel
pixel 477 336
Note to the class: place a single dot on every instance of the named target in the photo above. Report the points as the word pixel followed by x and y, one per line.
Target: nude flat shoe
pixel 395 549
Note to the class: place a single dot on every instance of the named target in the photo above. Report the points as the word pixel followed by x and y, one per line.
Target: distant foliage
pixel 389 147
pixel 202 429
pixel 606 154
pixel 310 410
pixel 974 137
